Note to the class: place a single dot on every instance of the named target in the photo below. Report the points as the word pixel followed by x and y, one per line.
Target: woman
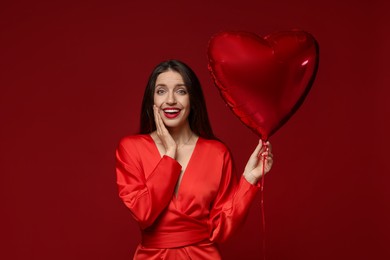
pixel 176 178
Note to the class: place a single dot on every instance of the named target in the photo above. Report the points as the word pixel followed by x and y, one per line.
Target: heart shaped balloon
pixel 264 80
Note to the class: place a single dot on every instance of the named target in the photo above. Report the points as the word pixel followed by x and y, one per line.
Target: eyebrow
pixel 177 85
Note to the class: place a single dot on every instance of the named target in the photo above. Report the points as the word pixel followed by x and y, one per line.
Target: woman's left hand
pixel 262 155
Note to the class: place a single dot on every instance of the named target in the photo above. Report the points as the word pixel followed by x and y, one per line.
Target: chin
pixel 173 124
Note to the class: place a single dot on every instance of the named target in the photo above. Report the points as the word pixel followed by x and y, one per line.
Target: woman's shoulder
pixel 215 145
pixel 131 140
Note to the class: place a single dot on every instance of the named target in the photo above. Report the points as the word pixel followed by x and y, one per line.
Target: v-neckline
pixel 176 194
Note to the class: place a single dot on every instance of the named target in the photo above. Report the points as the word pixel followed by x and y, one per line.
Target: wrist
pixel 251 178
pixel 171 153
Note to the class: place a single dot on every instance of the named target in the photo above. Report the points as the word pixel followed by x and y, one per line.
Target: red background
pixel 72 76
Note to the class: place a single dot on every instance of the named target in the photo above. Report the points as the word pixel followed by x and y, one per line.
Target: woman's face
pixel 172 98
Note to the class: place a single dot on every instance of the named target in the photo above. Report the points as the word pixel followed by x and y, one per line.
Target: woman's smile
pixel 171 112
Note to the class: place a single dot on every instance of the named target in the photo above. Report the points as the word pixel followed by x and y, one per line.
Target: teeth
pixel 171 110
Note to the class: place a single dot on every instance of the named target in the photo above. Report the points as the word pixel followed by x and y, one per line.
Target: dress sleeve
pixel 232 202
pixel 145 197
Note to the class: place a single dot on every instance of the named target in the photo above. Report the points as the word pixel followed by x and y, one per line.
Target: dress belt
pixel 177 238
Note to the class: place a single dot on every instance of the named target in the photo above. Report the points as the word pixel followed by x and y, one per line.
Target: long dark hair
pixel 198 117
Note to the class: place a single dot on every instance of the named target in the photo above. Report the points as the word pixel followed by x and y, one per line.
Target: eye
pixel 160 91
pixel 182 91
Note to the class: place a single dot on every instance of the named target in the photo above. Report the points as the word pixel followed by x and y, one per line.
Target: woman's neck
pixel 181 135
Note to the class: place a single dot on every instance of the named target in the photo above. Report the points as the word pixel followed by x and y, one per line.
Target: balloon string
pixel 262 202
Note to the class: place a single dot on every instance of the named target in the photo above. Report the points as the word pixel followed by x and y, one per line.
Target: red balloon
pixel 263 80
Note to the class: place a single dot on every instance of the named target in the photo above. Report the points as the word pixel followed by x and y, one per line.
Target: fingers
pixel 263 150
pixel 164 135
pixel 266 156
pixel 161 130
pixel 268 145
pixel 158 120
pixel 258 149
pixel 266 150
pixel 260 162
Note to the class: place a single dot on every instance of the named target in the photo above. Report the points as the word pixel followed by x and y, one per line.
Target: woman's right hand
pixel 164 135
pixel 259 163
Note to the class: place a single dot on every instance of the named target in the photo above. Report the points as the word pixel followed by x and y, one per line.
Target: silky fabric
pixel 204 251
pixel 209 205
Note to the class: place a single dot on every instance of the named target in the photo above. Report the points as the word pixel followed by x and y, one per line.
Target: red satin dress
pixel 209 205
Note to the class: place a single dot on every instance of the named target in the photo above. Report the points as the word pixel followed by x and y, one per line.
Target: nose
pixel 171 100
